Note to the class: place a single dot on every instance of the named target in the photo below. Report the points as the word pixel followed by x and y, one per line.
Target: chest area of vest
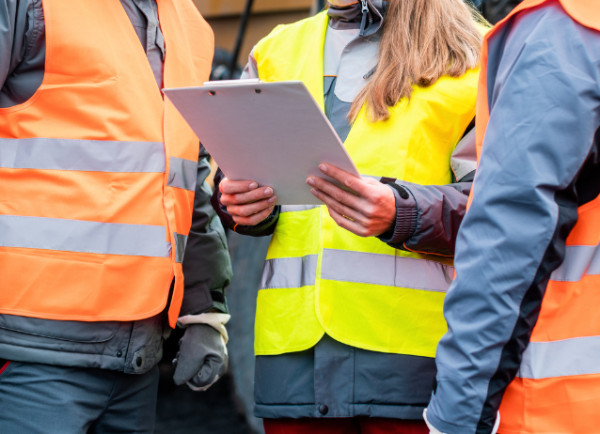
pixel 93 50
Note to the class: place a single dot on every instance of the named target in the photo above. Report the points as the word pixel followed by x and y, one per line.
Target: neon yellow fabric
pixel 414 145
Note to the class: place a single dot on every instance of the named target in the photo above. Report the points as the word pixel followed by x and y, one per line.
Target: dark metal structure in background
pixel 240 38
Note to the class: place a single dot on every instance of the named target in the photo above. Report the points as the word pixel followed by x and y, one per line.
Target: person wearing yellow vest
pixel 348 321
pixel 102 193
pixel 524 328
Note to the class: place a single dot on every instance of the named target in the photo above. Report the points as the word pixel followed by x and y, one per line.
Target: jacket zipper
pixel 365 13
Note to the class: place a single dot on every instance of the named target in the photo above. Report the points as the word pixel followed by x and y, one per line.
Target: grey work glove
pixel 202 358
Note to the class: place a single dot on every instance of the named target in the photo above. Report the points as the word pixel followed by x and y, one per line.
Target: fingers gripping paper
pixel 271 133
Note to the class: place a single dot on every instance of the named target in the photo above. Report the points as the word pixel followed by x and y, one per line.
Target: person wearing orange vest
pixel 523 318
pixel 103 210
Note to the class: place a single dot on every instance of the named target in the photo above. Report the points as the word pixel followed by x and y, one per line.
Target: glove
pixel 434 430
pixel 202 358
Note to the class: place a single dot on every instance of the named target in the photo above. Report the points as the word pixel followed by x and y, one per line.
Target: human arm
pixel 202 357
pixel 206 264
pixel 428 216
pixel 544 112
pixel 423 218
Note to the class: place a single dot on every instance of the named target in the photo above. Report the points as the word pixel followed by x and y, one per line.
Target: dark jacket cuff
pixel 406 217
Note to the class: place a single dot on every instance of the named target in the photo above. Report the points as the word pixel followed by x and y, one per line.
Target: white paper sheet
pixel 271 133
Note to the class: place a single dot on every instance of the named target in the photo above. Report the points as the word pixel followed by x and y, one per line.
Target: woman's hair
pixel 421 41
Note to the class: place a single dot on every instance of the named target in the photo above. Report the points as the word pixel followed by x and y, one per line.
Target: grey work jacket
pixel 133 347
pixel 540 162
pixel 333 379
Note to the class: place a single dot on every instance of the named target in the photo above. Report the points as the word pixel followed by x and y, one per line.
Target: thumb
pixel 212 369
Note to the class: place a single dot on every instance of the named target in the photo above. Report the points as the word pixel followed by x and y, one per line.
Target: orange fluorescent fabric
pixel 562 405
pixel 93 152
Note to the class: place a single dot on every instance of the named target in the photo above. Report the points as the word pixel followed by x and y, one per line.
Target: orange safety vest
pixel 97 171
pixel 557 388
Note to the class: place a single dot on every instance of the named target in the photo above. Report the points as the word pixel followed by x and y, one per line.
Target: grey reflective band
pixel 289 272
pixel 579 261
pixel 297 208
pixel 180 243
pixel 83 236
pixel 387 270
pixel 82 155
pixel 358 267
pixel 182 173
pixel 577 356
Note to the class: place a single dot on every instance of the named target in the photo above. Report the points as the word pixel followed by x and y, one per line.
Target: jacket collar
pixel 350 17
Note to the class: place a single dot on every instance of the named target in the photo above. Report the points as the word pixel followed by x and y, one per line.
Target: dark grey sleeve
pixel 12 16
pixel 206 265
pixel 428 216
pixel 22 50
pixel 544 112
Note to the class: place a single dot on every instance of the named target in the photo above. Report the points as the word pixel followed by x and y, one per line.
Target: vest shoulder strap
pixel 585 12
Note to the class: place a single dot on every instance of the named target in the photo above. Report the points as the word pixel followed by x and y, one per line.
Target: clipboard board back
pixel 271 133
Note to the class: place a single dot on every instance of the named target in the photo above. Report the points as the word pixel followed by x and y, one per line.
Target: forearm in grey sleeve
pixel 206 265
pixel 544 111
pixel 428 216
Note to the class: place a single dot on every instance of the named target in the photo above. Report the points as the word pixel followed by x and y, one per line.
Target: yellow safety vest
pixel 320 278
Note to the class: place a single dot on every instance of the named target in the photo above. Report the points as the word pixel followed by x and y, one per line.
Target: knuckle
pixel 369 211
pixel 338 196
pixel 377 196
pixel 365 222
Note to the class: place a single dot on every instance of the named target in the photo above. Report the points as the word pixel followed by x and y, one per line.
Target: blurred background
pixel 226 408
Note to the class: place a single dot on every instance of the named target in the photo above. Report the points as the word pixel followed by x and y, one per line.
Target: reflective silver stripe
pixel 577 356
pixel 182 173
pixel 579 261
pixel 180 243
pixel 346 266
pixel 387 270
pixel 295 208
pixel 83 236
pixel 289 272
pixel 82 155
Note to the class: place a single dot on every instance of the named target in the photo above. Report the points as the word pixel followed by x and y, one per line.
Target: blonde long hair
pixel 421 41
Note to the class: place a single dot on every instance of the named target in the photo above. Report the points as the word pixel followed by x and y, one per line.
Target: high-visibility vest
pixel 320 278
pixel 97 171
pixel 557 388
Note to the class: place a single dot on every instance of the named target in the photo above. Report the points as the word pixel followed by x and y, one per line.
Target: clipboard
pixel 271 133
